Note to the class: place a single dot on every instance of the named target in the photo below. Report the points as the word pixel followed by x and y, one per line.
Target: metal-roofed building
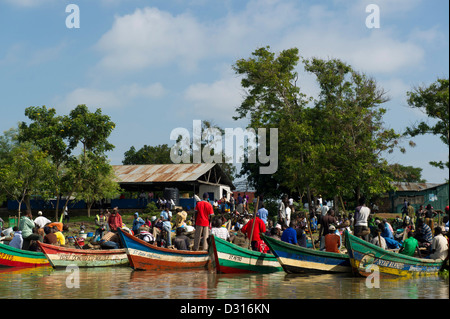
pixel 197 178
pixel 419 194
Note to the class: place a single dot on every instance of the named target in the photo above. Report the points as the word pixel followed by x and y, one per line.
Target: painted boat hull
pixel 143 256
pixel 366 258
pixel 13 257
pixel 61 257
pixel 229 258
pixel 295 259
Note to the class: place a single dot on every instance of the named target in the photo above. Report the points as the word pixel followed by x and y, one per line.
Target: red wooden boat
pixel 143 256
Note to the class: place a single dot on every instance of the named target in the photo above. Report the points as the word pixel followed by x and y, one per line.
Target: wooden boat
pixel 13 257
pixel 364 256
pixel 230 258
pixel 143 256
pixel 296 259
pixel 60 257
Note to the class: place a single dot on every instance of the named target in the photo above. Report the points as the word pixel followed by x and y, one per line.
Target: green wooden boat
pixel 296 259
pixel 228 258
pixel 13 257
pixel 366 258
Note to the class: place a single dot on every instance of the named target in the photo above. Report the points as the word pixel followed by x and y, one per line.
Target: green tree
pixel 274 100
pixel 332 144
pixel 159 154
pixel 48 131
pixel 433 101
pixel 61 136
pixel 24 172
pixel 98 181
pixel 352 133
pixel 406 174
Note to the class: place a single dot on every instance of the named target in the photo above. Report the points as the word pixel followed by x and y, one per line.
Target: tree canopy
pixel 331 144
pixel 433 100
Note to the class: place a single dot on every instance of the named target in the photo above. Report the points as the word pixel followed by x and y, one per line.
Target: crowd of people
pixel 230 220
pixel 29 231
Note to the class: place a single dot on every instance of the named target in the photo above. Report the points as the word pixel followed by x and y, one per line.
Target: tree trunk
pixel 89 205
pixel 58 199
pixel 308 195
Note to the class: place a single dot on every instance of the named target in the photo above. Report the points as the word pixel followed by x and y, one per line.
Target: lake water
pixel 124 283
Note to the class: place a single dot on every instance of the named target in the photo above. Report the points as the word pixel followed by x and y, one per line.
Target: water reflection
pixel 124 283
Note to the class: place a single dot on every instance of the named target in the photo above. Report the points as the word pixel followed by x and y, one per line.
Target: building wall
pixel 438 197
pixel 216 190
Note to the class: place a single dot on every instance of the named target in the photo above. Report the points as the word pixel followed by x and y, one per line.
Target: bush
pixel 151 208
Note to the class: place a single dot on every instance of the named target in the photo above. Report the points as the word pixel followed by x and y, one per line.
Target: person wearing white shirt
pixel 41 221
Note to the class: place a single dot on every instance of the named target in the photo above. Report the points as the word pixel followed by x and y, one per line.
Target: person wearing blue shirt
pixel 290 234
pixel 386 233
pixel 137 222
pixel 263 214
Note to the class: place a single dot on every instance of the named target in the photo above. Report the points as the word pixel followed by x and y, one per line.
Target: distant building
pixel 193 178
pixel 418 194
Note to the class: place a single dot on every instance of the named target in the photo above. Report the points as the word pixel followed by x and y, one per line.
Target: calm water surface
pixel 124 283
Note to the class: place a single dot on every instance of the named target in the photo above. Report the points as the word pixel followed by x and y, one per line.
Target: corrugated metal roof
pixel 161 173
pixel 403 186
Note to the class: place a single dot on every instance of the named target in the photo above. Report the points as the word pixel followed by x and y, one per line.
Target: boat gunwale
pixel 20 252
pixel 167 251
pixel 308 251
pixel 384 252
pixel 246 251
pixel 61 249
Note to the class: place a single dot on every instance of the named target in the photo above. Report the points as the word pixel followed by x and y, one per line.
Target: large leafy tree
pixel 273 100
pixel 331 145
pixel 24 171
pixel 61 136
pixel 405 174
pixel 48 132
pixel 98 180
pixel 159 154
pixel 352 132
pixel 433 100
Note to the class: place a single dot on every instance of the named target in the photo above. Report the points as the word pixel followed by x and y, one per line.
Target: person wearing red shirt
pixel 260 227
pixel 115 220
pixel 203 213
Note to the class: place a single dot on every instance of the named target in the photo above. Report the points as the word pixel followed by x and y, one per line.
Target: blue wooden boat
pixel 296 259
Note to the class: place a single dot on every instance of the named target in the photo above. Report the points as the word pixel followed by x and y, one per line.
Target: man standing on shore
pixel 202 218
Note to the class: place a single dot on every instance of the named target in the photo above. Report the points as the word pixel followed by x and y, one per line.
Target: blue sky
pixel 153 66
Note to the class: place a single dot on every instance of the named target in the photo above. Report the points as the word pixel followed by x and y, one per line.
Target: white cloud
pixel 335 35
pixel 218 99
pixel 107 99
pixel 150 37
pixel 153 38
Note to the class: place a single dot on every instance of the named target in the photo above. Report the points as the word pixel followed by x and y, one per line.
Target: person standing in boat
pixel 202 218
